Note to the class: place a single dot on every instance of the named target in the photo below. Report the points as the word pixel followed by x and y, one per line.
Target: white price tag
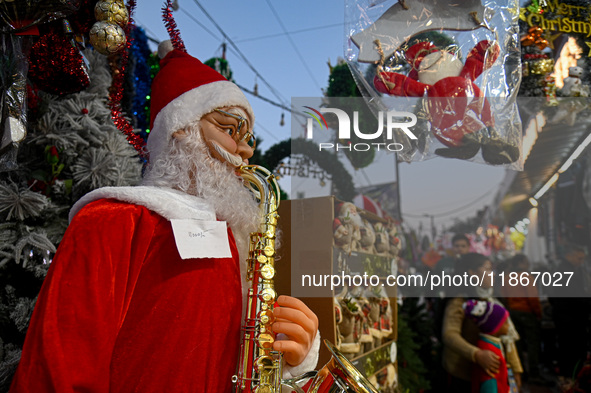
pixel 201 239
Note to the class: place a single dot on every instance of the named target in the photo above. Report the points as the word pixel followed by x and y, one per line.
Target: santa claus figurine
pixel 459 113
pixel 126 308
pixel 352 222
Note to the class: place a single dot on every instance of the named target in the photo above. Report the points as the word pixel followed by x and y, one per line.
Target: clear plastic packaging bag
pixel 22 15
pixel 13 92
pixel 455 65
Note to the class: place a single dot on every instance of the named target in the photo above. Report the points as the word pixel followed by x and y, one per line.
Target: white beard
pixel 188 166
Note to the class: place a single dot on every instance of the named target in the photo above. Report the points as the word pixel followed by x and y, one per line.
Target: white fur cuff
pixel 308 364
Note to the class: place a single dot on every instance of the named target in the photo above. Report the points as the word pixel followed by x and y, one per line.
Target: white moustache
pixel 232 159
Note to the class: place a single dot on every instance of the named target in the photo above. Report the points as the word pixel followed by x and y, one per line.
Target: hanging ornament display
pixel 107 35
pixel 444 64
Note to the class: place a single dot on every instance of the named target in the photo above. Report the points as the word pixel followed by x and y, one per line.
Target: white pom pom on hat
pixel 164 47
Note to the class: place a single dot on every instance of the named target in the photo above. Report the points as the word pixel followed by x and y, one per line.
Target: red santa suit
pixel 121 311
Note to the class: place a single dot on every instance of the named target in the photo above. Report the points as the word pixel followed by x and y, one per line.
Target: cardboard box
pixel 307 248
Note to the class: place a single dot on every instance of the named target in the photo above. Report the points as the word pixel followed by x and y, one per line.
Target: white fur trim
pixel 189 107
pixel 309 363
pixel 167 202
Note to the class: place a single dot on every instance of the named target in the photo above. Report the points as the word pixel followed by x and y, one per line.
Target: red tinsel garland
pixel 116 94
pixel 56 66
pixel 173 31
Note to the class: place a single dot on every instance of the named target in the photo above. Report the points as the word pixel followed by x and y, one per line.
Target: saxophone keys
pixel 268 295
pixel 269 251
pixel 266 340
pixel 268 272
pixel 262 259
pixel 266 317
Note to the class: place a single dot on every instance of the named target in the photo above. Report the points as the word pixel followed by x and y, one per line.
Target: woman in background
pixel 460 334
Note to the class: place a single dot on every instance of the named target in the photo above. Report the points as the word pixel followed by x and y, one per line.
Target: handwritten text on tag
pixel 201 239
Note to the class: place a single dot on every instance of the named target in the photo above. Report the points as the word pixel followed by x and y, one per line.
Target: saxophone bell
pixel 340 376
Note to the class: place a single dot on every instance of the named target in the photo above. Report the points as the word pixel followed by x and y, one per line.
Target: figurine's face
pixel 348 214
pixel 226 132
pixel 438 65
pixel 368 236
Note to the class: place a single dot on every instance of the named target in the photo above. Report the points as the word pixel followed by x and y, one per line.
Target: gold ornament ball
pixel 113 11
pixel 107 38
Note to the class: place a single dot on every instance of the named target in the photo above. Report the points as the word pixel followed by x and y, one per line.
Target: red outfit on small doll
pixel 481 381
pixel 492 321
pixel 457 106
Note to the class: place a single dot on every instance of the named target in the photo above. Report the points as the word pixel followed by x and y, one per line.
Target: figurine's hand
pixel 294 319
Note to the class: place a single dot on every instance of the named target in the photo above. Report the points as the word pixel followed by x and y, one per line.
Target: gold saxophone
pixel 260 368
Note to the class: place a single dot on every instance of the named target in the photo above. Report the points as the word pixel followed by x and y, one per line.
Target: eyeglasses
pixel 241 134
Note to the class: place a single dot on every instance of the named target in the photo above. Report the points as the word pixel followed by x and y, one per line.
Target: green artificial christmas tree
pixel 72 147
pixel 414 347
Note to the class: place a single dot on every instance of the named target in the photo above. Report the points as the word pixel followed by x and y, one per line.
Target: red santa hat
pixel 369 204
pixel 183 91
